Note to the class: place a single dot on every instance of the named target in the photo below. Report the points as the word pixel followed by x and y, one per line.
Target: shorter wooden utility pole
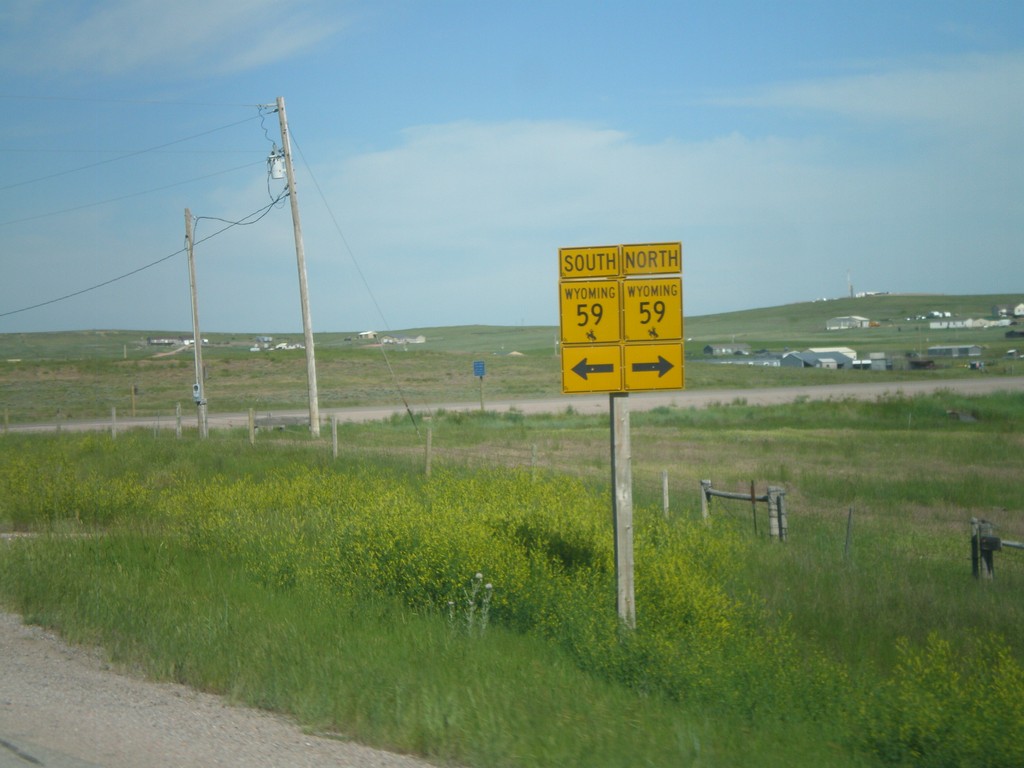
pixel 198 393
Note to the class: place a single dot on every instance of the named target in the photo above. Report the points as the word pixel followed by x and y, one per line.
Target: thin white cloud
pixel 125 37
pixel 964 92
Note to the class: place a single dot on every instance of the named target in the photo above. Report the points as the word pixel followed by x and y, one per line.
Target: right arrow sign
pixel 653 366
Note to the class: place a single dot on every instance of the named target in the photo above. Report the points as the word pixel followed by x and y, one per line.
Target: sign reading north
pixel 620 310
pixel 652 259
pixel 589 311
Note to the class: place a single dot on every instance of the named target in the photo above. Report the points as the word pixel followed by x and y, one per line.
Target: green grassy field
pixel 343 591
pixel 57 376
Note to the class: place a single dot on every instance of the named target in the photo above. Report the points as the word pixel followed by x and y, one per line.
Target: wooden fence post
pixel 705 486
pixel 780 502
pixel 430 437
pixel 664 492
pixel 774 528
pixel 753 506
pixel 252 426
pixel 849 534
pixel 982 559
pixel 177 418
pixel 113 421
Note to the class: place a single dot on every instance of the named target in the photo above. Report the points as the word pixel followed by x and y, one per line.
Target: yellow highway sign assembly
pixel 620 311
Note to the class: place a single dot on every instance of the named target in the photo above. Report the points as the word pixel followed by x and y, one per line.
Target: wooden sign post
pixel 622 506
pixel 620 310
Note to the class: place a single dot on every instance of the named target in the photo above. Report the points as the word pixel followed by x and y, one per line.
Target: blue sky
pixel 444 151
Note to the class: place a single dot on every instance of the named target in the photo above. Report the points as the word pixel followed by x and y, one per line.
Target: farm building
pixel 1008 310
pixel 810 359
pixel 875 361
pixel 850 353
pixel 961 350
pixel 717 350
pixel 845 323
pixel 976 323
pixel 421 339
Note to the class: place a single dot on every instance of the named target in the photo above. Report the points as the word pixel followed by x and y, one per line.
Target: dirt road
pixel 64 707
pixel 701 398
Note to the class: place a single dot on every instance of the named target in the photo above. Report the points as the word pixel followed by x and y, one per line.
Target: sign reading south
pixel 652 259
pixel 589 311
pixel 652 309
pixel 592 261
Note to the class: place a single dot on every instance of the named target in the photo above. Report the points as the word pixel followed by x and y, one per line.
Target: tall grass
pixel 340 592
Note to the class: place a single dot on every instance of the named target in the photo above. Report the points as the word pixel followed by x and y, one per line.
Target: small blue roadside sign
pixel 478 368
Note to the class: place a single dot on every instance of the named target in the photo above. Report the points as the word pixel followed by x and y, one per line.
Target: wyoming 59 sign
pixel 621 317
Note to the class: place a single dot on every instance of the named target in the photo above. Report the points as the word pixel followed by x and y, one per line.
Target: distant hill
pixel 894 313
pixel 792 325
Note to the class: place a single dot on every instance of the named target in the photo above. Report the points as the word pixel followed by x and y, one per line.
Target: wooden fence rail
pixel 775 498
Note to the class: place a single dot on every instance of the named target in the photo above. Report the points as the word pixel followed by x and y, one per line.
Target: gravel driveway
pixel 64 707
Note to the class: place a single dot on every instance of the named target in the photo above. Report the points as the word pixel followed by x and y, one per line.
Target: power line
pixel 125 156
pixel 255 216
pixel 156 102
pixel 126 197
pixel 366 285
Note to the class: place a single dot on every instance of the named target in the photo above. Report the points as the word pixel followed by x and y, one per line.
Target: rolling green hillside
pixel 80 374
pixel 788 325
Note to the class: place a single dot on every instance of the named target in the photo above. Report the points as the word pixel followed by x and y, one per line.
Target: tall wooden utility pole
pixel 198 389
pixel 300 255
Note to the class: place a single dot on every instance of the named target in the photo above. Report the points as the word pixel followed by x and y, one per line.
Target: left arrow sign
pixel 582 369
pixel 662 367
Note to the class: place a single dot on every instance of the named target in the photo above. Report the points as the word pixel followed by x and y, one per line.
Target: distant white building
pixel 403 339
pixel 847 322
pixel 1008 310
pixel 844 351
pixel 961 350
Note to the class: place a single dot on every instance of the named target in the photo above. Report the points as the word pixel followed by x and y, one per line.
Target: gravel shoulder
pixel 64 706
